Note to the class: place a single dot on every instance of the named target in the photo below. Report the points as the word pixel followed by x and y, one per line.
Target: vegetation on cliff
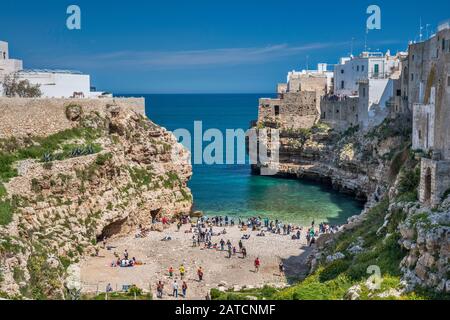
pixel 107 172
pixel 343 266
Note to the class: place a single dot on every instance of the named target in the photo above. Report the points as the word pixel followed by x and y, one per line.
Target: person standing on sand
pixel 171 272
pixel 184 288
pixel 244 252
pixel 240 245
pixel 281 268
pixel 175 289
pixel 200 274
pixel 159 289
pixel 222 244
pixel 257 264
pixel 125 254
pixel 182 271
pixel 229 252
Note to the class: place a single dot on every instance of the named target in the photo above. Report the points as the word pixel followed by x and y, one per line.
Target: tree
pixel 13 87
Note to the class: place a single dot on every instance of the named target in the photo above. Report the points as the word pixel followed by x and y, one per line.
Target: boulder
pixel 336 256
pixel 353 293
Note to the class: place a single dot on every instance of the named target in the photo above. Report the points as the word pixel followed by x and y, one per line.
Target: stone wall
pixel 41 117
pixel 307 82
pixel 295 110
pixel 434 180
pixel 339 113
pixel 429 67
pixel 423 127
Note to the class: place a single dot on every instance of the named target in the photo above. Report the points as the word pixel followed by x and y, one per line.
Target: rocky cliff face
pixel 354 162
pixel 426 237
pixel 405 239
pixel 107 171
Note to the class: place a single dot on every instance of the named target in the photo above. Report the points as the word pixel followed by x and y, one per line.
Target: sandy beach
pixel 219 271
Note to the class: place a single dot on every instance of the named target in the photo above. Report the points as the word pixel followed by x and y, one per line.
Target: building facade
pixel 339 112
pixel 368 65
pixel 7 65
pixel 52 83
pixel 429 95
pixel 298 102
pixel 371 80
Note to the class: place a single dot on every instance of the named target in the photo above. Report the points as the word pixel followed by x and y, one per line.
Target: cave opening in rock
pixel 154 214
pixel 111 229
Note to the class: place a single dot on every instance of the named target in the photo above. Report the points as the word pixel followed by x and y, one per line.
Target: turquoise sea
pixel 231 189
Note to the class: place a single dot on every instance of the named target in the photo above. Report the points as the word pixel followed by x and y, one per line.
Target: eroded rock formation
pixel 107 171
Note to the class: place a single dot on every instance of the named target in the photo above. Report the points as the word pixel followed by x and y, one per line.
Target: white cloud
pixel 197 58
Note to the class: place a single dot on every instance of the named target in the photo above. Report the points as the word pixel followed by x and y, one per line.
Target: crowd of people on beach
pixel 206 236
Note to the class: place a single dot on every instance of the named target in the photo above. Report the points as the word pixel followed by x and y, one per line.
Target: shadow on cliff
pixel 295 267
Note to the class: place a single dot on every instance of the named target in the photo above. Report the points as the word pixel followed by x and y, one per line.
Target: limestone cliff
pixel 354 162
pixel 405 240
pixel 103 171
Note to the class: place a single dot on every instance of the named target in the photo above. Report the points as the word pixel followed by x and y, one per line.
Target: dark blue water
pixel 231 189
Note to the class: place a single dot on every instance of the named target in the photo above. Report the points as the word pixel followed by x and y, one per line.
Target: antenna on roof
pixel 420 30
pixel 351 47
pixel 365 39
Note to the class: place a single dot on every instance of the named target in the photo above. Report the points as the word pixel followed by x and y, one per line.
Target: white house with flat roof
pixel 368 65
pixel 296 78
pixel 52 83
pixel 7 65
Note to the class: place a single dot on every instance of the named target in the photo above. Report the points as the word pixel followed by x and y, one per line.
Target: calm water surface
pixel 231 189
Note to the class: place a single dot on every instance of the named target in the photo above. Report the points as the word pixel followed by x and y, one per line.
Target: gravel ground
pixel 219 271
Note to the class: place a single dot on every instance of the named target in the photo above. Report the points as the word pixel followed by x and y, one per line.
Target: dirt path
pixel 158 256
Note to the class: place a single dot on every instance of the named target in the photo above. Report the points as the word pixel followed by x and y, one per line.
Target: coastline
pixel 220 272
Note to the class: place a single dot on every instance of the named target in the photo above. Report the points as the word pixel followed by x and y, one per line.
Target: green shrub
pixel 103 158
pixel 409 180
pixel 6 212
pixel 134 290
pixel 334 269
pixel 3 192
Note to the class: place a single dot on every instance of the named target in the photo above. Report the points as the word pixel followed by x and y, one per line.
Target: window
pixel 412 57
pixel 342 71
pixel 277 110
pixel 362 68
pixel 399 93
pixel 376 69
pixel 342 84
pixel 420 134
pixel 412 76
pixel 364 92
pixel 443 44
pixel 357 68
pixel 448 81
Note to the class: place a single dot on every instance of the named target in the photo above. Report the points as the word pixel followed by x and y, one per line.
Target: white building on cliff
pixel 53 83
pixel 373 78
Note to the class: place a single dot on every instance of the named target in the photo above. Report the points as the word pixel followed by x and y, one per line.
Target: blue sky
pixel 203 46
